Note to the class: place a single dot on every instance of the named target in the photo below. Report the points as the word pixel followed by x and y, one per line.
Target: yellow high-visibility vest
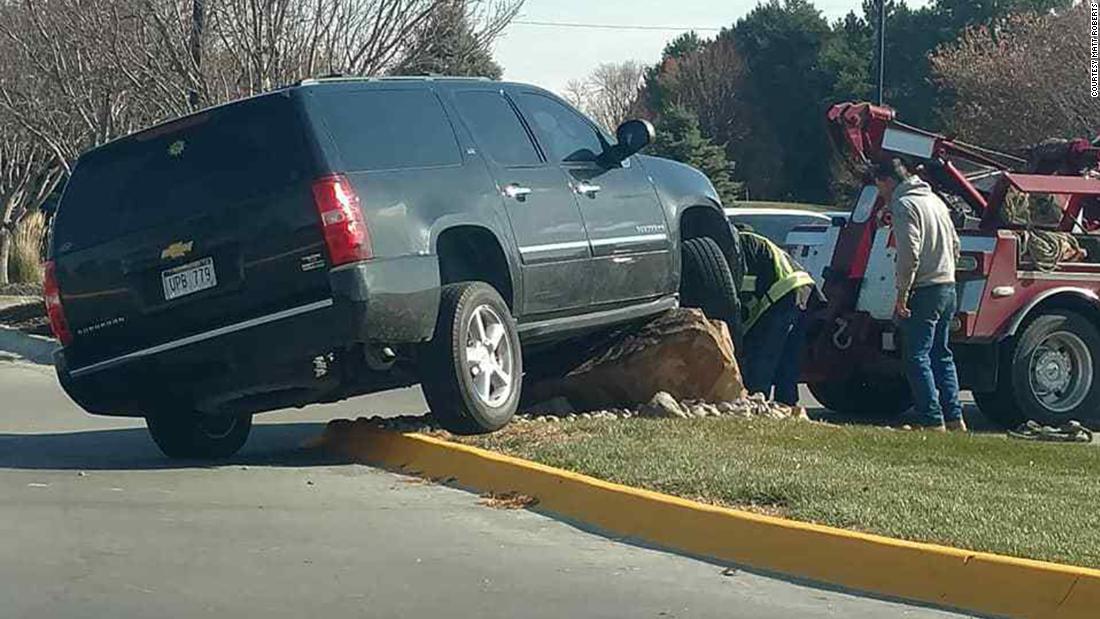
pixel 788 278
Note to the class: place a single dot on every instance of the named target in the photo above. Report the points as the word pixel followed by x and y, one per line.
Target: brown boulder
pixel 680 352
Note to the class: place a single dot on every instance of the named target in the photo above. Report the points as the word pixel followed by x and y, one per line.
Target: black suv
pixel 345 236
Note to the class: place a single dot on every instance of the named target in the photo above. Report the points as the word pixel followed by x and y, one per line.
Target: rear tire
pixel 1049 374
pixel 863 396
pixel 186 434
pixel 471 371
pixel 706 282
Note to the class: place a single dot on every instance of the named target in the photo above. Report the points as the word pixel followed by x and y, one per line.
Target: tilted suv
pixel 346 236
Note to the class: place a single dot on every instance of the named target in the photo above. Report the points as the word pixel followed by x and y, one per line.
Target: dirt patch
pixel 27 317
pixel 20 290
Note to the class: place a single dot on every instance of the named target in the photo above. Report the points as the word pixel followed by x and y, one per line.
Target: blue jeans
pixel 929 364
pixel 773 351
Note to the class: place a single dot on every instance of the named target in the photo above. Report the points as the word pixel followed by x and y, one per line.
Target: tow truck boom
pixel 871 132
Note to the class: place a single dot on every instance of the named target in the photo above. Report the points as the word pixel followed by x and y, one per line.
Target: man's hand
pixel 901 307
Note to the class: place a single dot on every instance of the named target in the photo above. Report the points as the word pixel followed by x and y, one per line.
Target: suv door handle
pixel 586 189
pixel 517 192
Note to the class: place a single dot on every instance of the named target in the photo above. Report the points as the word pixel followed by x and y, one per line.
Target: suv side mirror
pixel 633 136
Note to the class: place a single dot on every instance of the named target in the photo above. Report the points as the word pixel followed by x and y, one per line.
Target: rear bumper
pixel 268 360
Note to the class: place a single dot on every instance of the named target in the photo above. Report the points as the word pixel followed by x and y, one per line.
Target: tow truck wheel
pixel 1050 374
pixel 860 395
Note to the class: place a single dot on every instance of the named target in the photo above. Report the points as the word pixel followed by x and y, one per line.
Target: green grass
pixel 1037 500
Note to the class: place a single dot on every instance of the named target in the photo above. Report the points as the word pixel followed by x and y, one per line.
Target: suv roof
pixel 309 81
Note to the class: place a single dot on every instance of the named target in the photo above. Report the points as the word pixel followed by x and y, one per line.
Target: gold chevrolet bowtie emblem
pixel 177 250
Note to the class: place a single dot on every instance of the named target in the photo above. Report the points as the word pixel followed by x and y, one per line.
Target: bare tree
pixel 75 74
pixel 1022 83
pixel 28 174
pixel 81 72
pixel 609 93
pixel 577 92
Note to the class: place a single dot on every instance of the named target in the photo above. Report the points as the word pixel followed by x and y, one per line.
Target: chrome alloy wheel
pixel 1060 371
pixel 490 359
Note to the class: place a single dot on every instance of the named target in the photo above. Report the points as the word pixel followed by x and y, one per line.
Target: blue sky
pixel 551 56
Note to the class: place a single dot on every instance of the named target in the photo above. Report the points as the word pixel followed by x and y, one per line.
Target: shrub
pixel 25 260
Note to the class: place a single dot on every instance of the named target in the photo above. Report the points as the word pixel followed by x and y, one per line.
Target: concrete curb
pixel 938 575
pixel 32 348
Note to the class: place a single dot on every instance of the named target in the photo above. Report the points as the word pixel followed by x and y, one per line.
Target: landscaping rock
pixel 663 405
pixel 680 352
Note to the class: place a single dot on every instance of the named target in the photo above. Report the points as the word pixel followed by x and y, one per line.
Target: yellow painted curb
pixel 949 577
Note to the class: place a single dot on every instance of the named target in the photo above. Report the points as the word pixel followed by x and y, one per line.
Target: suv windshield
pixel 215 159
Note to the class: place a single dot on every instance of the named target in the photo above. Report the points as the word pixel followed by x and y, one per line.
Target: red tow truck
pixel 1027 334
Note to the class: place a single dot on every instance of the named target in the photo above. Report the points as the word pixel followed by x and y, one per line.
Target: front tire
pixel 471 371
pixel 190 435
pixel 706 282
pixel 859 395
pixel 1048 375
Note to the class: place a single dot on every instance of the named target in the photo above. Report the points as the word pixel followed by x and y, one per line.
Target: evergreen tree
pixel 448 45
pixel 781 43
pixel 679 139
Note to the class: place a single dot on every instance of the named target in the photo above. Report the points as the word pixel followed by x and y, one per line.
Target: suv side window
pixel 497 128
pixel 389 129
pixel 563 132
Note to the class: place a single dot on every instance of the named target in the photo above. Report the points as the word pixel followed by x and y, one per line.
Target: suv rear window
pixel 212 160
pixel 389 129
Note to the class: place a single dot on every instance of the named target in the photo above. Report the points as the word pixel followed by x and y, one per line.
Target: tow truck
pixel 1027 334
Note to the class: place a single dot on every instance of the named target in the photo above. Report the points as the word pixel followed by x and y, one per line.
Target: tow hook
pixel 841 338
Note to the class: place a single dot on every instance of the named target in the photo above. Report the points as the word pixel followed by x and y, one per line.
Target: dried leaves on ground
pixel 508 500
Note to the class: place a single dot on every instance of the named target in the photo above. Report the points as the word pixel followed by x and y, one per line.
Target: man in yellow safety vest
pixel 775 294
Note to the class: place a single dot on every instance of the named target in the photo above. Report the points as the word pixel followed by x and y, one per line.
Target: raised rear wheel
pixel 471 371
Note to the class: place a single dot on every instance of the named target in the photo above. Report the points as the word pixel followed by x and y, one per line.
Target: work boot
pixel 956 426
pixel 915 423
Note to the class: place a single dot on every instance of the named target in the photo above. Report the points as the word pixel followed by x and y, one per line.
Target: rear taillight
pixel 342 220
pixel 52 293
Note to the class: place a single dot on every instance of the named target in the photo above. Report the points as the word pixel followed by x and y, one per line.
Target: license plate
pixel 188 278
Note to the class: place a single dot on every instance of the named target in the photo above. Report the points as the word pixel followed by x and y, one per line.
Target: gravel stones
pixel 661 406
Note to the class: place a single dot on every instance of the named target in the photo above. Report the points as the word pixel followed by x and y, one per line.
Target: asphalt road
pixel 94 523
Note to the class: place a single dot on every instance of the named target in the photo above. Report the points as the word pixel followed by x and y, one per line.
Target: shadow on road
pixel 132 449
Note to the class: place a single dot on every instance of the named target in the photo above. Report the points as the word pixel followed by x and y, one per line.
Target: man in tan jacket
pixel 928 248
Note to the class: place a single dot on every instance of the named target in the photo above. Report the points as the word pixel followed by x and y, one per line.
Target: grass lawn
pixel 1037 500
